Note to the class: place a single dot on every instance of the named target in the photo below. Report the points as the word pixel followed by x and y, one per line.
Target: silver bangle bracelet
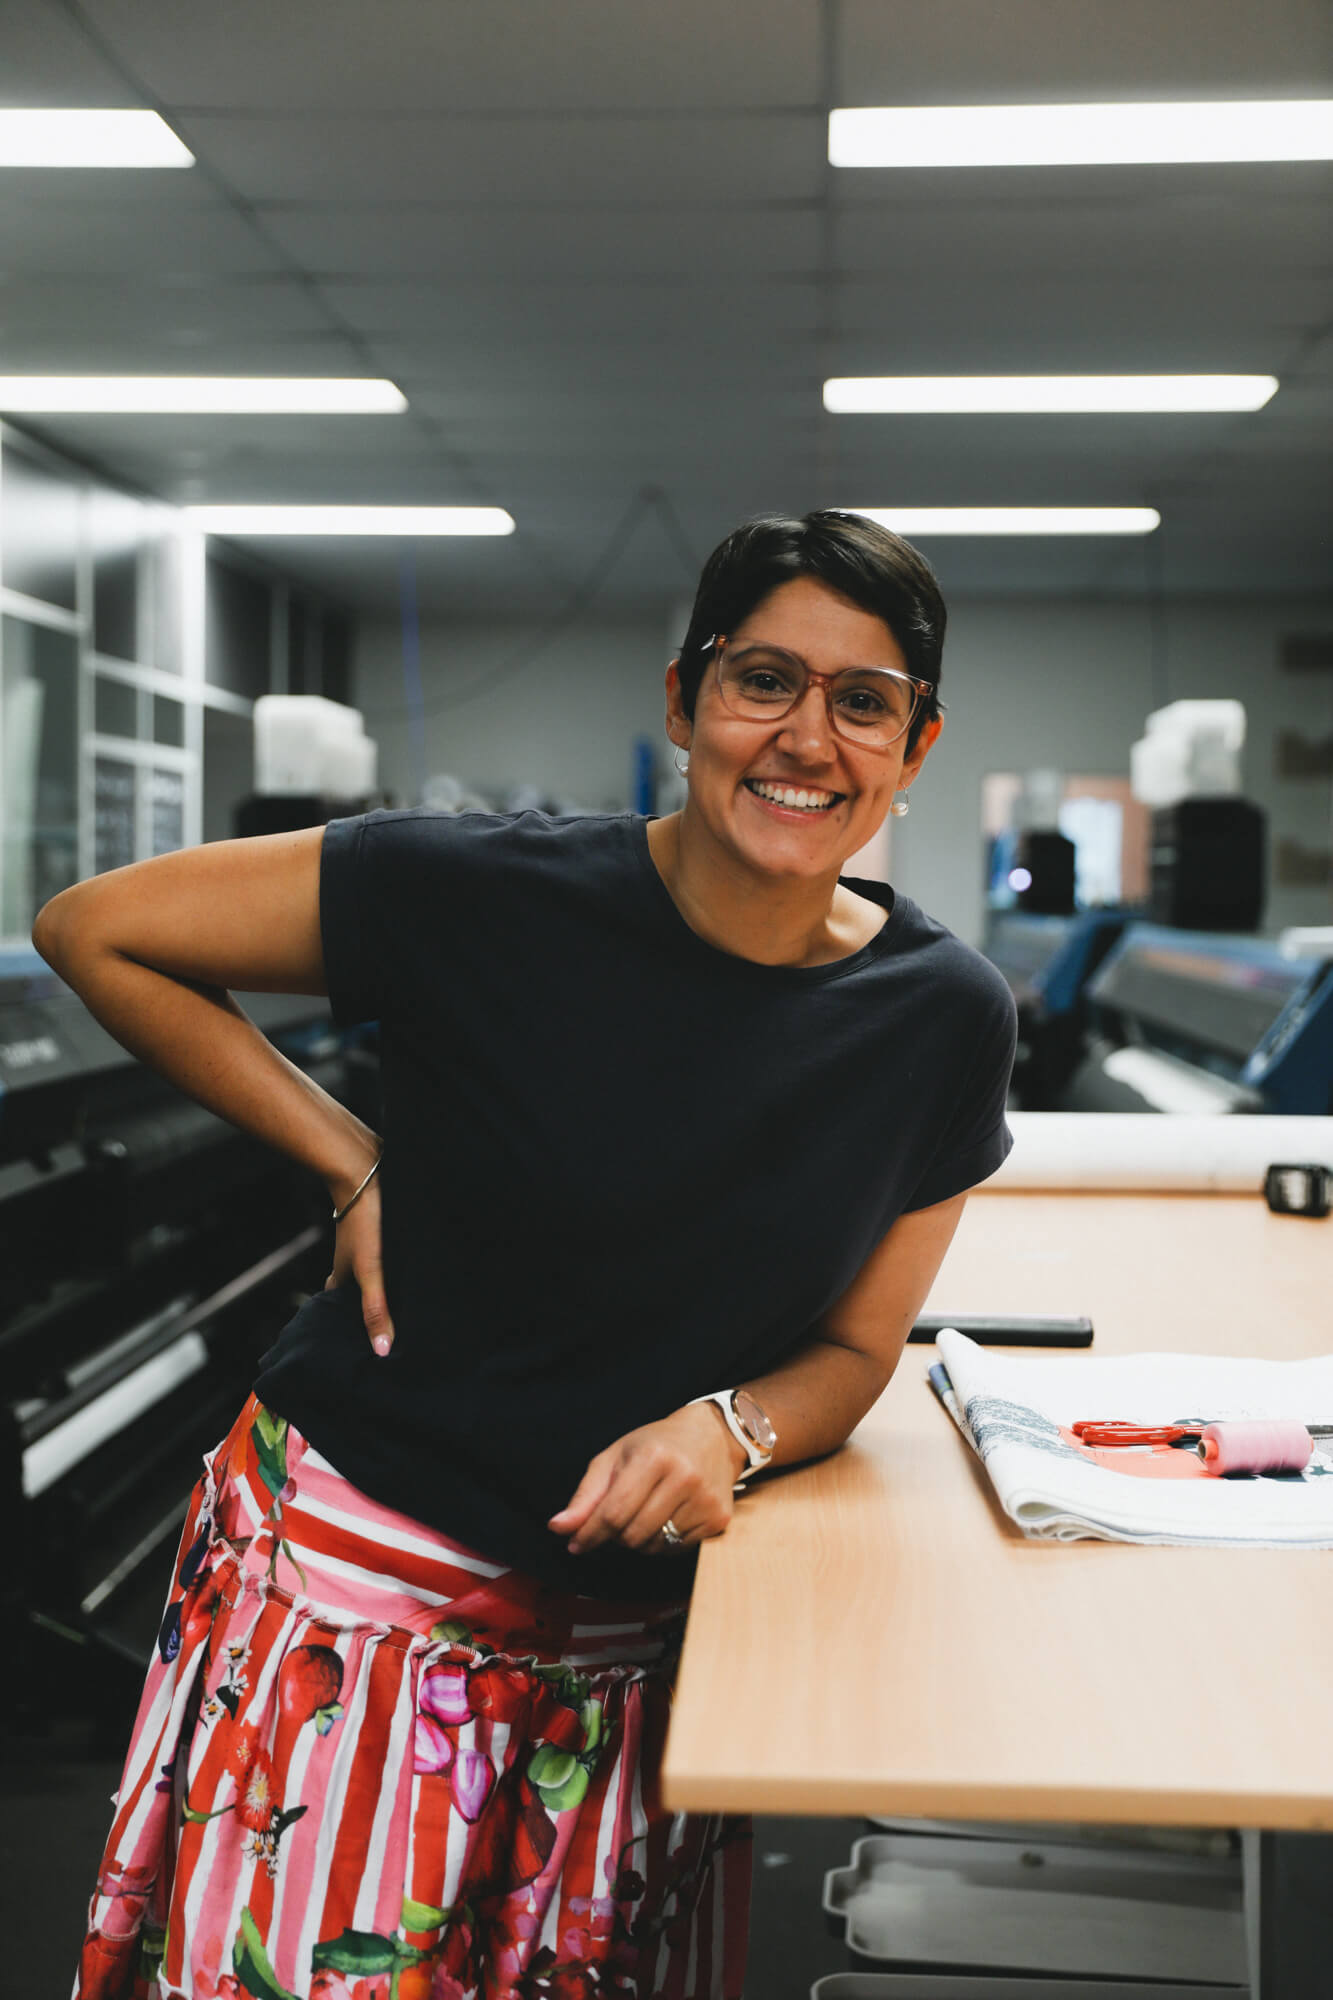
pixel 352 1199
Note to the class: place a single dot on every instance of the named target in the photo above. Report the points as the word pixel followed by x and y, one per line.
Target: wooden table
pixel 873 1634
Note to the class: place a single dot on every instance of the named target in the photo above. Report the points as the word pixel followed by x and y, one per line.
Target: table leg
pixel 1295 1941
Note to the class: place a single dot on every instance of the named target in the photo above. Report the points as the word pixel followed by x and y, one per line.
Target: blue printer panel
pixel 1233 1005
pixel 1050 957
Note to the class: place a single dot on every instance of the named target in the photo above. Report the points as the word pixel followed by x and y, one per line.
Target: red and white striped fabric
pixel 371 1765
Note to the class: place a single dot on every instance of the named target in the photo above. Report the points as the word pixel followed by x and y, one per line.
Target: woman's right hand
pixel 356 1255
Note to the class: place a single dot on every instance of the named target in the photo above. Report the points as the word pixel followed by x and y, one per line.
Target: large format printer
pixel 1047 962
pixel 1189 1012
pixel 1188 1021
pixel 149 1253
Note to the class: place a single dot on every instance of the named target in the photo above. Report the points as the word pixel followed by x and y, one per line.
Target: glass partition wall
pixel 131 655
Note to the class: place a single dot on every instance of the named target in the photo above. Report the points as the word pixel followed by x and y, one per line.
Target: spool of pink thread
pixel 1256 1447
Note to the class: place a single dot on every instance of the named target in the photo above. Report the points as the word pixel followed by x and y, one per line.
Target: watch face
pixel 751 1418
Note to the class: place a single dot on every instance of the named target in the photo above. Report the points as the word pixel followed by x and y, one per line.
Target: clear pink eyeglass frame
pixel 921 690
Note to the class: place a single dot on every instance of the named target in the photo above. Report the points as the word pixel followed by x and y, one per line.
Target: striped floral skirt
pixel 370 1765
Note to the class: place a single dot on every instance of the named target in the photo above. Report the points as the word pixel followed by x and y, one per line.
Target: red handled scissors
pixel 1115 1432
pixel 1187 1430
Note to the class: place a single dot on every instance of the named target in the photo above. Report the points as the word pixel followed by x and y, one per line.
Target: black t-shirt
pixel 621 1167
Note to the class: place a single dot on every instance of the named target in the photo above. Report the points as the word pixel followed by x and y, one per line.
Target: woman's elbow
pixel 47 928
pixel 57 922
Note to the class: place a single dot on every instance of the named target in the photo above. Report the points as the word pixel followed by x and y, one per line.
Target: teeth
pixel 793 796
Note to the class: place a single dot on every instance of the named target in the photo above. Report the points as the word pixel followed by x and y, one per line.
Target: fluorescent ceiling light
pixel 89 139
pixel 970 394
pixel 209 395
pixel 351 520
pixel 1014 520
pixel 1078 135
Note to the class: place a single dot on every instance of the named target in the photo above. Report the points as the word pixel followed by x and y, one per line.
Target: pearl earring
pixel 676 760
pixel 899 806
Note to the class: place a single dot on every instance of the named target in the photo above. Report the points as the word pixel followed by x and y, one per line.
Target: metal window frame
pixel 147 679
pixel 190 686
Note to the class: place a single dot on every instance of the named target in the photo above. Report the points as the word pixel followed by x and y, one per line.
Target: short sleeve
pixel 354 961
pixel 392 883
pixel 976 1139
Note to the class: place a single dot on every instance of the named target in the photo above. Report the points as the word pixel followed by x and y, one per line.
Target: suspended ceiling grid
pixel 599 246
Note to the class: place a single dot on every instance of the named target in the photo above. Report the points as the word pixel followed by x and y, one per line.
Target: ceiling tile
pixel 1077 51
pixel 401 55
pixel 201 310
pixel 186 458
pixel 49 62
pixel 180 229
pixel 429 243
pixel 1111 236
pixel 632 310
pixel 183 347
pixel 706 360
pixel 1054 321
pixel 496 162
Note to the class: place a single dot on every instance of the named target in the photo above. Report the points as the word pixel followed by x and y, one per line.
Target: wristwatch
pixel 748 1424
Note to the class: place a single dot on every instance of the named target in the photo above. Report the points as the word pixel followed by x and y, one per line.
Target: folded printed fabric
pixel 1018 1414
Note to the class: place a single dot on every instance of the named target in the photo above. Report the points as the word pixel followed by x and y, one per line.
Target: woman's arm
pixel 685 1466
pixel 815 1400
pixel 151 951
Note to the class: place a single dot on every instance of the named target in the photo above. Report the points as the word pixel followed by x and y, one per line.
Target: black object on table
pixel 1007 1329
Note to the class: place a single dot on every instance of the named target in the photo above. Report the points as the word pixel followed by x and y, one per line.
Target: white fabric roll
pixel 1202 1155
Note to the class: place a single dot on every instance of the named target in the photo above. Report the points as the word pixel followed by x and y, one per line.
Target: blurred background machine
pixel 1032 864
pixel 1054 884
pixel 1047 962
pixel 1207 861
pixel 313 762
pixel 1184 1021
pixel 1164 999
pixel 148 1254
pixel 1208 864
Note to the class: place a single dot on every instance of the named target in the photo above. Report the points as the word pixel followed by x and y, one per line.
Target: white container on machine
pixel 306 746
pixel 1189 749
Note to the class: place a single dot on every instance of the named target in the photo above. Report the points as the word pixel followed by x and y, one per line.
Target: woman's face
pixel 735 762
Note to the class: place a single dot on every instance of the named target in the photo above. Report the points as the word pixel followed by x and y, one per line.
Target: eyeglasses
pixel 870 706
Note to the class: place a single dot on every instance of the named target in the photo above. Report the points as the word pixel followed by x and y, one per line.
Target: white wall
pixel 1028 683
pixel 565 723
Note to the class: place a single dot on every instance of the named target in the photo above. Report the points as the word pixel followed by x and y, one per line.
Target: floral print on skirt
pixel 369 1764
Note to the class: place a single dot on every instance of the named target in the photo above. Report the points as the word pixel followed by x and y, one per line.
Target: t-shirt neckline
pixel 835 968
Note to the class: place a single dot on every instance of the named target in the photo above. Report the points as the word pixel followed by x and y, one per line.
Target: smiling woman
pixel 413 1677
pixel 806 695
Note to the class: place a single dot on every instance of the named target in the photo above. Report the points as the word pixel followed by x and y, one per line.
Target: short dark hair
pixel 853 555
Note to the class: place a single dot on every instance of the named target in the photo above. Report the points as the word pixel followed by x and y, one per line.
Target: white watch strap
pixel 757 1457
